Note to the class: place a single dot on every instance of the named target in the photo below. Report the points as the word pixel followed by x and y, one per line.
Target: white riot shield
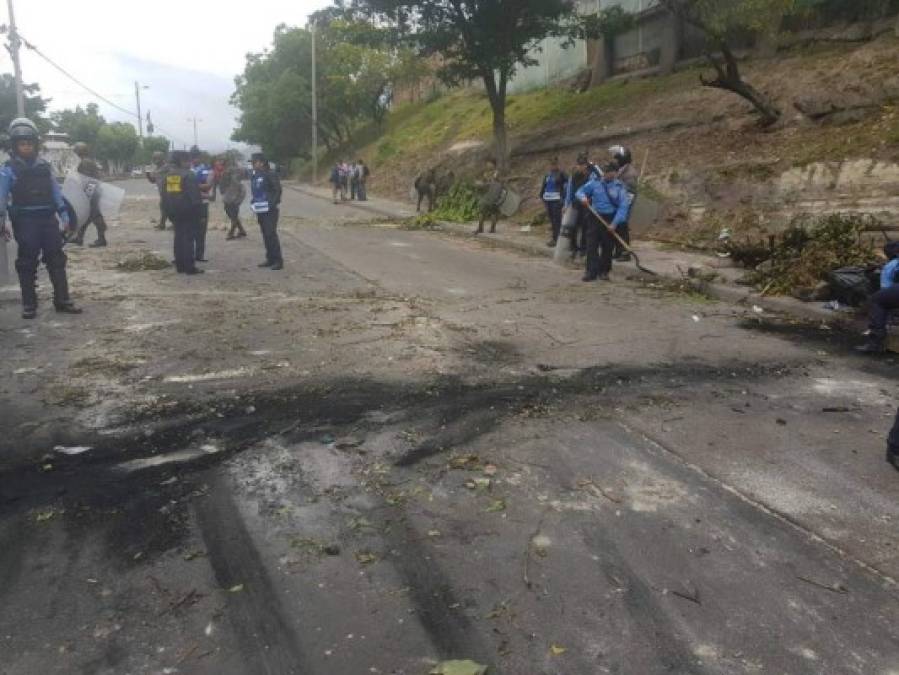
pixel 73 190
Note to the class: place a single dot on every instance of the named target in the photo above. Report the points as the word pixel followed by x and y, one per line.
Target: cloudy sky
pixel 186 51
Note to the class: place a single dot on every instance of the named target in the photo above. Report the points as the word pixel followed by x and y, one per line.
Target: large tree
pixel 117 143
pixel 35 105
pixel 484 40
pixel 274 93
pixel 722 21
pixel 80 124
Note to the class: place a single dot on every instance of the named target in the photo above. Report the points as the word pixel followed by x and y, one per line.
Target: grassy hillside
pixel 726 145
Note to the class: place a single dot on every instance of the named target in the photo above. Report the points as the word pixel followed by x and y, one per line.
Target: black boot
pixel 893 456
pixel 875 344
pixel 61 300
pixel 28 285
pixel 100 243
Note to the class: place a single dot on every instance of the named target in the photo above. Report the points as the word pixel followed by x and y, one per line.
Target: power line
pixel 81 84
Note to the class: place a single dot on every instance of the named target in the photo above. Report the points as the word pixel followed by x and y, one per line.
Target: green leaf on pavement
pixel 459 668
pixel 496 506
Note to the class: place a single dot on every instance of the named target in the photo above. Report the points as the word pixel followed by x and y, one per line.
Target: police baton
pixel 621 241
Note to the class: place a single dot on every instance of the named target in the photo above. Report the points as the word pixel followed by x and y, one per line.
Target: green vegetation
pixel 459 205
pixel 811 248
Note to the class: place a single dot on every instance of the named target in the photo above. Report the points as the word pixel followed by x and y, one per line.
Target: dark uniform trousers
pixel 38 235
pixel 200 226
pixel 268 223
pixel 893 438
pixel 554 213
pixel 881 304
pixel 599 245
pixel 185 239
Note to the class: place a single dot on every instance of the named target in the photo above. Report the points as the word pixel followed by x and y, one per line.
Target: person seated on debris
pixel 494 193
pixel 883 302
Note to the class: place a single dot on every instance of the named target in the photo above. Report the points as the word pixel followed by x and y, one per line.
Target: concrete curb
pixel 737 295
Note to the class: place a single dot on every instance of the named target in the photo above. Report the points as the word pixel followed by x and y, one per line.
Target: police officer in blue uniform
pixel 31 194
pixel 265 187
pixel 551 191
pixel 182 204
pixel 203 174
pixel 608 197
pixel 883 302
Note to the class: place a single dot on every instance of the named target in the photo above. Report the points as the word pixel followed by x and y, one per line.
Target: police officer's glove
pixel 5 230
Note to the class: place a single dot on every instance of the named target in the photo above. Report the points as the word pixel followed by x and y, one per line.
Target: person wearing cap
pixel 205 177
pixel 551 190
pixel 630 177
pixel 883 302
pixel 183 204
pixel 608 197
pixel 90 171
pixel 31 195
pixel 265 187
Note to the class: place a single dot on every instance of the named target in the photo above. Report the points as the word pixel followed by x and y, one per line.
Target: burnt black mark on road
pixel 268 643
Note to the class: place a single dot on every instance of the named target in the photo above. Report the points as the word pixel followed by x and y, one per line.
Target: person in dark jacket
pixel 88 168
pixel 183 205
pixel 265 187
pixel 552 191
pixel 883 302
pixel 574 215
pixel 31 195
pixel 205 178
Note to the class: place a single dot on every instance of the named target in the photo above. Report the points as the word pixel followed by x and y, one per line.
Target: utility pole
pixel 314 111
pixel 14 45
pixel 195 120
pixel 140 120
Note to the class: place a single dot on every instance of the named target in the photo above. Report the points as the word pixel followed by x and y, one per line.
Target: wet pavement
pixel 408 447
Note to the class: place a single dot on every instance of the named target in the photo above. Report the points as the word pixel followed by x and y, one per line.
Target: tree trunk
pixel 729 79
pixel 497 96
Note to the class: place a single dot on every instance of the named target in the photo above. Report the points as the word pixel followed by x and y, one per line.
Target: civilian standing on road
pixel 265 198
pixel 31 194
pixel 362 187
pixel 204 176
pixel 233 194
pixel 610 199
pixel 883 302
pixel 354 181
pixel 183 205
pixel 90 171
pixel 551 191
pixel 630 177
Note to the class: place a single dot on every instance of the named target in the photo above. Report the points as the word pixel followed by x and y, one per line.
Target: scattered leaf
pixel 496 506
pixel 459 668
pixel 434 533
pixel 365 557
pixel 557 650
pixel 490 469
pixel 236 589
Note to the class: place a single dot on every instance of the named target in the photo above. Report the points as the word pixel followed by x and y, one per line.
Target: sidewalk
pixel 670 263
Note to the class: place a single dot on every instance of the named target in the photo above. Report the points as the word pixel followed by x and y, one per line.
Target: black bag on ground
pixel 851 285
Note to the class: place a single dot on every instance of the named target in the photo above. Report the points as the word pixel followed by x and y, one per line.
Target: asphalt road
pixel 408 447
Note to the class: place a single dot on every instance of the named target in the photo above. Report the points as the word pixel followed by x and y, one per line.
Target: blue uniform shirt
pixel 202 172
pixel 554 184
pixel 8 179
pixel 888 274
pixel 608 198
pixel 593 173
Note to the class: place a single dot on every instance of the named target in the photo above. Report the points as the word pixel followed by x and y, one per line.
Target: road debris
pixel 459 668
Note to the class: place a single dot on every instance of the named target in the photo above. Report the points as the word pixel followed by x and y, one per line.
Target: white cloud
pixel 186 51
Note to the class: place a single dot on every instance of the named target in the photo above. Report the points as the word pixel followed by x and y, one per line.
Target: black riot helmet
pixel 23 129
pixel 620 154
